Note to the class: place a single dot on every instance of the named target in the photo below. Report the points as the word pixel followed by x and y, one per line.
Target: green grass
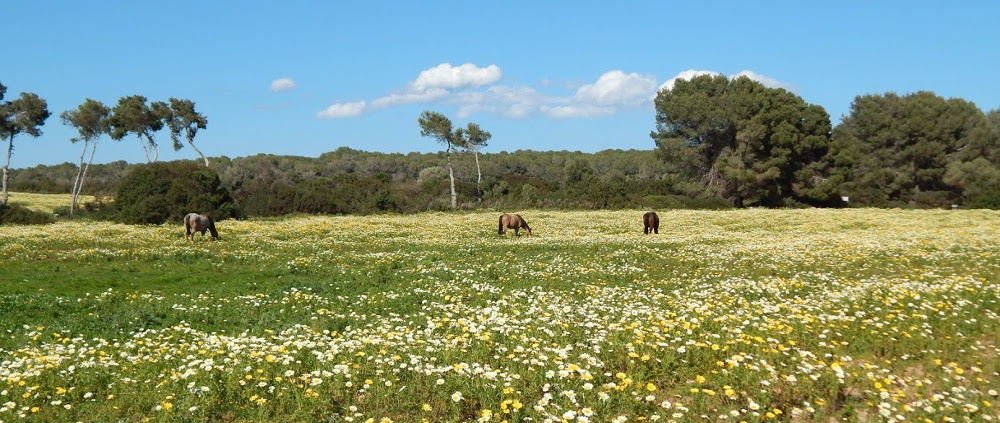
pixel 752 315
pixel 46 203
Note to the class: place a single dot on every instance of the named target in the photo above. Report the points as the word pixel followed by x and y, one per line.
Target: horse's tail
pixel 500 229
pixel 187 224
pixel 211 228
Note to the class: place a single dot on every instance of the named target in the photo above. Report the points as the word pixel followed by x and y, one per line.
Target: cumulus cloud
pixel 449 77
pixel 506 101
pixel 473 89
pixel 685 75
pixel 764 80
pixel 410 97
pixel 282 84
pixel 437 84
pixel 342 110
pixel 617 88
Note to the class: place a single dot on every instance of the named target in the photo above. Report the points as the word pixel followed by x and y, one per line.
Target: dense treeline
pixel 759 146
pixel 719 143
pixel 353 181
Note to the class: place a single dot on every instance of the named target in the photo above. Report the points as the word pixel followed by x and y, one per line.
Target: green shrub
pixel 987 199
pixel 933 199
pixel 709 203
pixel 666 202
pixel 160 192
pixel 16 214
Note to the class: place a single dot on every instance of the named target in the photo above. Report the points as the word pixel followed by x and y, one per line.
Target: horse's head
pixel 524 224
pixel 211 228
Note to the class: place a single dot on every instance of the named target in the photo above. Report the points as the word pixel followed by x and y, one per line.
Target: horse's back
pixel 197 221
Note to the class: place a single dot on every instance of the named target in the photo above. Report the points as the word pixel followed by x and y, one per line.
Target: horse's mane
pixel 524 223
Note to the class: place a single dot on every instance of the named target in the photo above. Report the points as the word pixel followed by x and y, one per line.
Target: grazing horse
pixel 650 223
pixel 194 222
pixel 515 222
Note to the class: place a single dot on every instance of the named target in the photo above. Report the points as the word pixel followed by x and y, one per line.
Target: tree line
pixel 720 142
pixel 92 119
pixel 757 146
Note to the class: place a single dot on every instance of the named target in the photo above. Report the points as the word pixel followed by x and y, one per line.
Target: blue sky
pixel 304 78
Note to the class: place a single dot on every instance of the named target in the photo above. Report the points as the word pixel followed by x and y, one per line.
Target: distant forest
pixel 353 181
pixel 717 143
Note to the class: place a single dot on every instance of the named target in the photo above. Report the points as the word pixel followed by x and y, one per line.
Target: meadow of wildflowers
pixel 45 202
pixel 745 315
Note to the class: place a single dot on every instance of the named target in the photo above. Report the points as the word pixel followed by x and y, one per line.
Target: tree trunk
pixel 451 177
pixel 6 170
pixel 84 176
pixel 75 191
pixel 145 148
pixel 152 144
pixel 479 179
pixel 198 151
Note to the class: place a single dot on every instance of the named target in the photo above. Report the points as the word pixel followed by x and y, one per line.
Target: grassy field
pixel 45 202
pixel 746 315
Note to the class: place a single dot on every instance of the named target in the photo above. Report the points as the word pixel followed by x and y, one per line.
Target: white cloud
pixel 409 97
pixel 282 84
pixel 448 77
pixel 685 75
pixel 342 110
pixel 506 101
pixel 442 83
pixel 764 80
pixel 617 88
pixel 578 111
pixel 473 89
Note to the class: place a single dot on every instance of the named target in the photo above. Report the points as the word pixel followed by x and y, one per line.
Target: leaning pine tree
pixel 91 121
pixel 436 125
pixel 24 115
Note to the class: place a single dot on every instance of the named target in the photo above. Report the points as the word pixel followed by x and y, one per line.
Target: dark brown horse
pixel 515 222
pixel 650 223
pixel 194 222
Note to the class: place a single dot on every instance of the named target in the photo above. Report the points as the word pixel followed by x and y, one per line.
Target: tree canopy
pixel 918 148
pixel 24 115
pixel 184 119
pixel 91 120
pixel 133 116
pixel 743 141
pixel 437 126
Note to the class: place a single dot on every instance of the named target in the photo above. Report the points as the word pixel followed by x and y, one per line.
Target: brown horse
pixel 194 222
pixel 650 222
pixel 515 222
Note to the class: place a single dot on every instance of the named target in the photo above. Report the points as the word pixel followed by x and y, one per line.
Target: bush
pixel 987 199
pixel 16 214
pixel 160 192
pixel 933 199
pixel 709 203
pixel 667 202
pixel 663 202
